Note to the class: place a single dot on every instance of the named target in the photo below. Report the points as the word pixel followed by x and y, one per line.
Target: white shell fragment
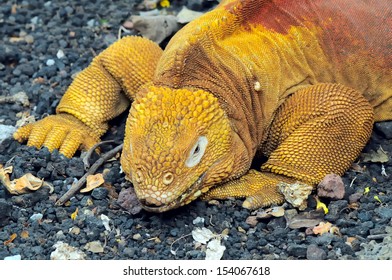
pixel 198 220
pixel 60 54
pixel 215 250
pixel 202 235
pixel 66 252
pixel 36 217
pixel 105 221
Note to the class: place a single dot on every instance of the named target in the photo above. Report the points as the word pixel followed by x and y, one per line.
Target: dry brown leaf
pixel 14 9
pixel 24 184
pixel 24 234
pixel 304 219
pixel 322 228
pixel 111 189
pixel 252 221
pixel 357 168
pixel 277 211
pixel 379 156
pixel 240 229
pixel 12 238
pixel 28 181
pixel 335 230
pixel 39 80
pixel 93 181
pixel 350 240
pixel 326 227
pixel 4 177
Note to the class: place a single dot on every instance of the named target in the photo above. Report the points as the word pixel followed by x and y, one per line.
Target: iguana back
pixel 285 45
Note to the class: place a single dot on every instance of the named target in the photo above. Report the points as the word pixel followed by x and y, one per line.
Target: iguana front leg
pixel 98 94
pixel 318 130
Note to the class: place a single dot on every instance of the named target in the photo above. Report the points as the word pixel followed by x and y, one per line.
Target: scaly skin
pixel 299 81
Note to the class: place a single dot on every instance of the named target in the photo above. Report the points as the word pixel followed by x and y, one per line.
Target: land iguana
pixel 300 82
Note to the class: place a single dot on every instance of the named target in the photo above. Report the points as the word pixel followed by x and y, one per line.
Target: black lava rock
pixel 99 193
pixel 297 250
pixel 334 210
pixel 5 211
pixel 313 252
pixel 385 129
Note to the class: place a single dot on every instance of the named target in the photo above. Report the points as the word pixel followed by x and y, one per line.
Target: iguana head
pixel 177 145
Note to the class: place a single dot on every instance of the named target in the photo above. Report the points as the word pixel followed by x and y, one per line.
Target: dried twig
pixel 174 252
pixel 77 186
pixel 90 152
pixel 376 236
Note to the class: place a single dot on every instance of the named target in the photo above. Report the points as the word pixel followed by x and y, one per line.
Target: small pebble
pixel 29 39
pixel 313 252
pixel 99 193
pixel 94 247
pixel 198 220
pixel 355 197
pixel 60 54
pixel 137 236
pixel 50 62
pixel 331 186
pixel 36 217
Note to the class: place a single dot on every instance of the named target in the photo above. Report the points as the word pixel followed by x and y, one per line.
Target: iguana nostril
pixel 168 178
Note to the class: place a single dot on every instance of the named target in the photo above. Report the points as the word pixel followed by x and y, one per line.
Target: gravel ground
pixel 44 43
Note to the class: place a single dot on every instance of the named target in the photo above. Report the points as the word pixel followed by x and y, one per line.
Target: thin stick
pixel 77 186
pixel 90 152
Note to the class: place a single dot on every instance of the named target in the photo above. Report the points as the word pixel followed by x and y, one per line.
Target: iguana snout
pixel 177 145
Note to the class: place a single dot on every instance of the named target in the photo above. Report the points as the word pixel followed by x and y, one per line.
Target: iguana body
pixel 299 81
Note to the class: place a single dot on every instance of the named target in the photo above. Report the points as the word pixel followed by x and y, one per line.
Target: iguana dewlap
pixel 298 81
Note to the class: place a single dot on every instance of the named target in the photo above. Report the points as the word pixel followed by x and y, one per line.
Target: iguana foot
pixel 62 131
pixel 259 188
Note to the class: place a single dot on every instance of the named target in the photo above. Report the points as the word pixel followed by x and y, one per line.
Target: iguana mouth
pixel 181 200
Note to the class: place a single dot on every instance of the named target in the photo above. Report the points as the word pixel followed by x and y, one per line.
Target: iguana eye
pixel 197 152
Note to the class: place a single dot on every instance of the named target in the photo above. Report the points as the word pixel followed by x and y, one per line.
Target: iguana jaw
pixel 194 191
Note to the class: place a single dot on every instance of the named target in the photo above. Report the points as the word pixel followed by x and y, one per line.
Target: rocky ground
pixel 43 44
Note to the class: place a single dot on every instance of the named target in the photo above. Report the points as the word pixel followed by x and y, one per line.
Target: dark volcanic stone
pixel 314 252
pixel 384 212
pixel 5 211
pixel 334 210
pixel 364 216
pixel 30 199
pixel 75 168
pixel 61 214
pixel 385 128
pixel 99 193
pixel 297 250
